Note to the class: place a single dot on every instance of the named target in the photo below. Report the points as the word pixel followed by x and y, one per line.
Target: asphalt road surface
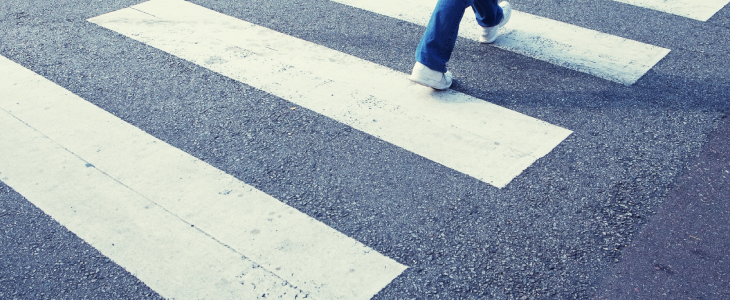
pixel 631 205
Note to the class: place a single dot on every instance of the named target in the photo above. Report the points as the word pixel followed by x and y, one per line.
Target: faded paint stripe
pixel 136 199
pixel 701 10
pixel 472 136
pixel 599 54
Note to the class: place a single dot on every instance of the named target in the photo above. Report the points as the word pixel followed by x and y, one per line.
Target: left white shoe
pixel 424 75
pixel 489 34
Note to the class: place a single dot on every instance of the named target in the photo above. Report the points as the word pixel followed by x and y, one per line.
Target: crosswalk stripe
pixel 148 241
pixel 701 10
pixel 185 228
pixel 472 136
pixel 599 54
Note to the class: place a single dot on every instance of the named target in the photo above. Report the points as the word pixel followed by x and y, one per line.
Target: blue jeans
pixel 438 41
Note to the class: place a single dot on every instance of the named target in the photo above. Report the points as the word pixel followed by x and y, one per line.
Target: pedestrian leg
pixel 488 12
pixel 438 41
pixel 491 16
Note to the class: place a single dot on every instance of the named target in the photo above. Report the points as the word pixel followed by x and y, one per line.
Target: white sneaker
pixel 489 34
pixel 434 79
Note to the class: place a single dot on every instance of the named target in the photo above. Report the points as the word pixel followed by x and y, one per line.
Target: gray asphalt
pixel 683 252
pixel 558 231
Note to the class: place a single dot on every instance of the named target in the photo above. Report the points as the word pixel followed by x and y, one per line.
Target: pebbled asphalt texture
pixel 683 253
pixel 40 259
pixel 561 230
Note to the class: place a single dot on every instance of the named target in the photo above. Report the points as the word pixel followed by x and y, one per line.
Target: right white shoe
pixel 434 79
pixel 489 34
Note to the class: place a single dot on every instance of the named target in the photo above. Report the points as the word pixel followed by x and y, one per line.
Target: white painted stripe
pixel 472 136
pixel 701 10
pixel 136 198
pixel 603 55
pixel 162 250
